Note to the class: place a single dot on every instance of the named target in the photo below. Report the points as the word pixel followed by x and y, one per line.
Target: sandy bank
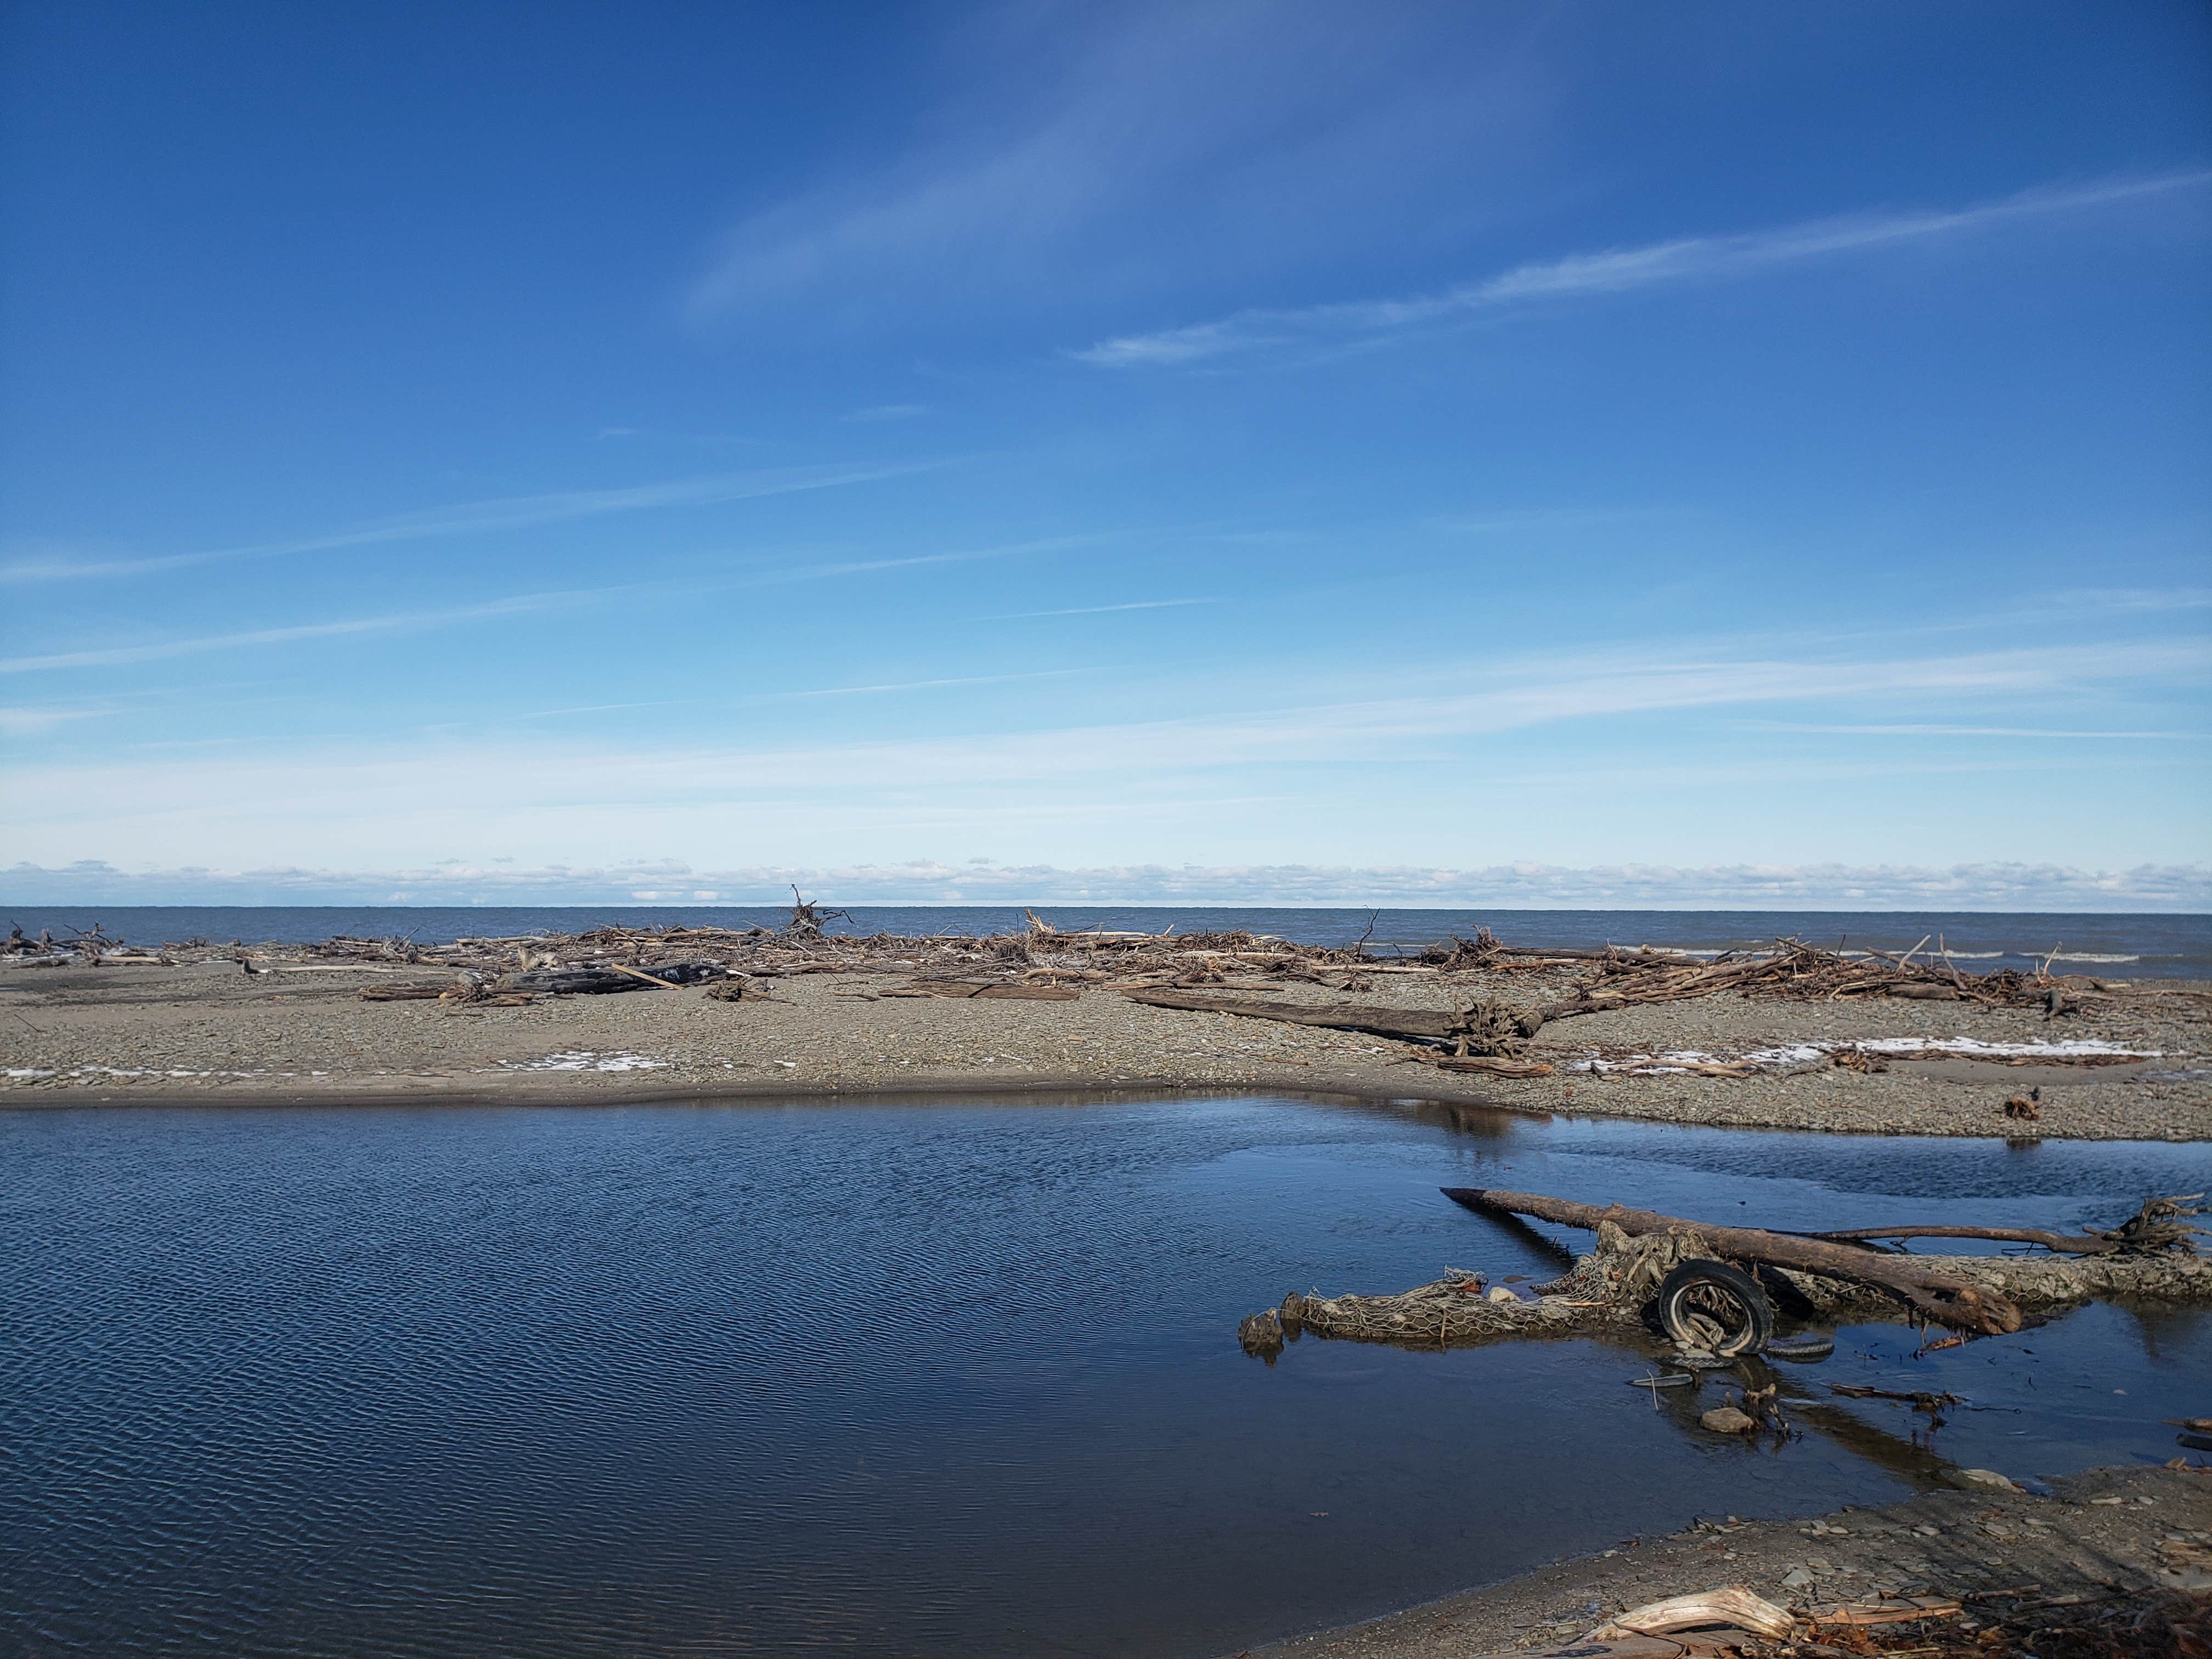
pixel 2140 1531
pixel 208 1033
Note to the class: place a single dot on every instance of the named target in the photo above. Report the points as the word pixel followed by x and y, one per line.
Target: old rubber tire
pixel 1723 1295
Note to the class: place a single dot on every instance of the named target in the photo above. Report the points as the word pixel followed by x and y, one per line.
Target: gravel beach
pixel 2136 1532
pixel 206 1032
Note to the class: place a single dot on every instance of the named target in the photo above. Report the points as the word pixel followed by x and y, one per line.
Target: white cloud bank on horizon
pixel 2178 888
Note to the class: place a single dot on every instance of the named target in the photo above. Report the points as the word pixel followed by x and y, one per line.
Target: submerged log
pixel 1948 1301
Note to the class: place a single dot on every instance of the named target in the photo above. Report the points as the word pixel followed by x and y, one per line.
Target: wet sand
pixel 208 1034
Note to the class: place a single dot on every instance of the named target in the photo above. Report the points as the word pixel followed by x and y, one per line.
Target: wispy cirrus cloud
pixel 944 683
pixel 884 688
pixel 1934 730
pixel 1614 270
pixel 23 721
pixel 469 517
pixel 1510 696
pixel 1245 130
pixel 521 605
pixel 847 791
pixel 805 572
pixel 155 650
pixel 1100 610
pixel 603 707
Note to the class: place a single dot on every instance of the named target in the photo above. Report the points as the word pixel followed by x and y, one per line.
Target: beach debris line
pixel 1484 1006
pixel 1512 993
pixel 1609 977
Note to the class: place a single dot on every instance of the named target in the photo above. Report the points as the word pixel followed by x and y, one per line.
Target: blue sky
pixel 946 450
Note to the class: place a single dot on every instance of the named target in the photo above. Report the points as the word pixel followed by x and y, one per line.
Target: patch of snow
pixel 1795 1054
pixel 585 1059
pixel 1679 1061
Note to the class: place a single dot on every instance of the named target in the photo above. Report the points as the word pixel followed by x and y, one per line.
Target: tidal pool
pixel 907 1378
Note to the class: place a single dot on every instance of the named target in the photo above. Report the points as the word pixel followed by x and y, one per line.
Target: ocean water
pixel 2151 946
pixel 950 1379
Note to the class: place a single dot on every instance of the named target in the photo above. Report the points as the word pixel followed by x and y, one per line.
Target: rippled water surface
pixel 903 1379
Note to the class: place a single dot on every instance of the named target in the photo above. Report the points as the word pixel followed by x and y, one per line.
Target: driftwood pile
pixel 2153 1255
pixel 1500 996
pixel 2022 1624
pixel 93 946
pixel 1491 1035
pixel 1039 953
pixel 1792 967
pixel 1040 964
pixel 1934 1295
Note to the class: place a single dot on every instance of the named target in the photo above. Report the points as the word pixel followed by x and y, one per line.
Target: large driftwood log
pixel 1732 1604
pixel 1431 1024
pixel 2161 1226
pixel 1948 1301
pixel 599 981
pixel 2064 1244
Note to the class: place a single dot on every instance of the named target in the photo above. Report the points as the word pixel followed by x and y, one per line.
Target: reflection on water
pixel 907 1379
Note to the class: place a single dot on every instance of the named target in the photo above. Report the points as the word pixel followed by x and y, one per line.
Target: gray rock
pixel 1971 1479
